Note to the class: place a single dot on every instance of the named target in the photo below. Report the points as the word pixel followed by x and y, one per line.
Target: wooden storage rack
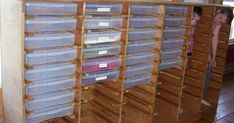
pixel 161 100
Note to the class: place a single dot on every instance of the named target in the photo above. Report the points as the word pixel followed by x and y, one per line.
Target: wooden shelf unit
pixel 109 101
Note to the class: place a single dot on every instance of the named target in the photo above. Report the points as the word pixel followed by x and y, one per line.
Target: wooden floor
pixel 224 113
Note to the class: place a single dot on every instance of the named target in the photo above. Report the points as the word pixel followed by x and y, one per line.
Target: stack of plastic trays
pixel 172 45
pixel 141 44
pixel 101 56
pixel 50 70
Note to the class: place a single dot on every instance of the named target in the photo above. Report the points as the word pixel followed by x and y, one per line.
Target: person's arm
pixel 215 40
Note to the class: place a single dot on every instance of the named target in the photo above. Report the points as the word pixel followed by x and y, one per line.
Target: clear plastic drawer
pixel 103 22
pixel 141 46
pixel 101 37
pixel 101 50
pixel 176 10
pixel 145 57
pixel 140 69
pixel 49 113
pixel 137 80
pixel 50 99
pixel 145 9
pixel 50 85
pixel 100 76
pixel 103 8
pixel 46 40
pixel 50 8
pixel 49 71
pixel 171 54
pixel 142 21
pixel 173 32
pixel 106 63
pixel 40 24
pixel 174 21
pixel 170 64
pixel 172 43
pixel 140 34
pixel 50 56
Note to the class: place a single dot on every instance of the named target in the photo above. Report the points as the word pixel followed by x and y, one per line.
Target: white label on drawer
pixel 102 52
pixel 101 78
pixel 103 38
pixel 103 24
pixel 102 65
pixel 103 9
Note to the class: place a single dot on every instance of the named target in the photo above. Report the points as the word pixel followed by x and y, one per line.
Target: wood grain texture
pixel 12 60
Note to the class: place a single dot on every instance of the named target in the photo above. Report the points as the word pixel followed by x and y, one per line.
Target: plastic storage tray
pixel 40 24
pixel 140 69
pixel 49 71
pixel 46 40
pixel 106 63
pixel 103 8
pixel 172 43
pixel 143 21
pixel 100 76
pixel 171 54
pixel 140 58
pixel 145 9
pixel 176 10
pixel 140 34
pixel 141 46
pixel 50 85
pixel 49 113
pixel 103 22
pixel 50 99
pixel 50 56
pixel 170 64
pixel 174 21
pixel 101 50
pixel 102 37
pixel 50 8
pixel 173 32
pixel 137 80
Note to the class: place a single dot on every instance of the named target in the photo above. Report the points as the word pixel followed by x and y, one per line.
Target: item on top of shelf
pixel 140 34
pixel 172 43
pixel 174 21
pixel 145 57
pixel 141 46
pixel 173 32
pixel 139 69
pixel 170 53
pixel 176 10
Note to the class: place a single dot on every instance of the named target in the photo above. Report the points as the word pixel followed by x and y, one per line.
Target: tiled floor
pixel 224 113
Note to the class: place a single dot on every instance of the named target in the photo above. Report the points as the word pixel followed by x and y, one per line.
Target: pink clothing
pixel 191 41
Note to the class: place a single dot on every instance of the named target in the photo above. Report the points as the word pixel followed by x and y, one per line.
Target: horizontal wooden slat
pixel 206 19
pixel 176 71
pixel 216 77
pixel 198 65
pixel 171 79
pixel 201 47
pixel 209 11
pixel 170 88
pixel 202 38
pixel 223 45
pixel 223 36
pixel 193 82
pixel 149 98
pixel 199 56
pixel 218 70
pixel 195 74
pixel 204 28
pixel 225 28
pixel 215 85
pixel 197 92
pixel 169 97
